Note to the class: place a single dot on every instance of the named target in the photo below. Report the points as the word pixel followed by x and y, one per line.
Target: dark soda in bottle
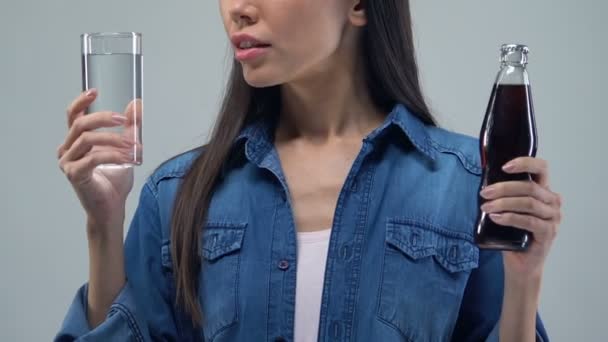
pixel 508 131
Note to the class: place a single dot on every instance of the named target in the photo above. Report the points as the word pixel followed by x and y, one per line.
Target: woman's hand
pixel 527 205
pixel 102 193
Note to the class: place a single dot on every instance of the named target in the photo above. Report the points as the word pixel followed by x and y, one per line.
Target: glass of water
pixel 112 62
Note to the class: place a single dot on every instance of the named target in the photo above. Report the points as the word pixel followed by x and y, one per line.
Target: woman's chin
pixel 256 83
pixel 258 80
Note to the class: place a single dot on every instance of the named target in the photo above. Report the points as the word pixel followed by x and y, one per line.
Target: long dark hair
pixel 391 75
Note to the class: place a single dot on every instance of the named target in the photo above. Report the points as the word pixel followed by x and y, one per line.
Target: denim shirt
pixel 401 266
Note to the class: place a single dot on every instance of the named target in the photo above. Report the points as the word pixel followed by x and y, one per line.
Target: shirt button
pixel 283 265
pixel 346 252
pixel 336 328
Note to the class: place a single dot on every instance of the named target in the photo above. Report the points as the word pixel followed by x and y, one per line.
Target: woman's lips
pixel 248 54
pixel 248 47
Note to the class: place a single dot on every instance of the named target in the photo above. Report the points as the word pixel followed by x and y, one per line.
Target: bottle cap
pixel 514 54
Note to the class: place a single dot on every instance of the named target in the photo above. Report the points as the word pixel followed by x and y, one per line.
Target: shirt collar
pixel 411 126
pixel 260 132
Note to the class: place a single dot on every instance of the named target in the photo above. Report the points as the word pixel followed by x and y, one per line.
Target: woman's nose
pixel 243 12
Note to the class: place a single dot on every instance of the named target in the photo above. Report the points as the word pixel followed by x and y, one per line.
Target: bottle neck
pixel 513 64
pixel 512 73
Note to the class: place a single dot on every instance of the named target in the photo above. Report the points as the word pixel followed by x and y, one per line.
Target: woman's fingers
pixel 133 117
pixel 538 168
pixel 79 105
pixel 88 123
pixel 543 230
pixel 518 189
pixel 525 205
pixel 80 171
pixel 133 113
pixel 87 140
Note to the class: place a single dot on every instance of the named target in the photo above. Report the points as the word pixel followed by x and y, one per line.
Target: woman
pixel 327 204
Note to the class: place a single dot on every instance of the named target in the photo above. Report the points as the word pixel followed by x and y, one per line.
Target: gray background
pixel 43 250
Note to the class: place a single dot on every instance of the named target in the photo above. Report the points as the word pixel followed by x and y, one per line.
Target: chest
pixel 385 261
pixel 401 242
pixel 315 176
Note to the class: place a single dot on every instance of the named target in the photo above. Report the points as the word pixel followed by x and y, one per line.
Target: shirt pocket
pixel 219 278
pixel 424 273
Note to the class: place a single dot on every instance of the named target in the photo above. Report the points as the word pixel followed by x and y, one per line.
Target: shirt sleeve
pixel 482 303
pixel 143 310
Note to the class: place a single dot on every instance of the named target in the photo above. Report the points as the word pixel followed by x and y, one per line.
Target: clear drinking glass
pixel 112 62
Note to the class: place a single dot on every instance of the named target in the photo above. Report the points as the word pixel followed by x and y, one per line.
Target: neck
pixel 330 104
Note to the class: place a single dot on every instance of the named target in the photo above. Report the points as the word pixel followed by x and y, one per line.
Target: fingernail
pixel 91 92
pixel 508 167
pixel 117 118
pixel 487 192
pixel 496 216
pixel 486 207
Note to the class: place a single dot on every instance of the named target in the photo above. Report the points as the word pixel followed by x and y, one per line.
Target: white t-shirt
pixel 312 256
